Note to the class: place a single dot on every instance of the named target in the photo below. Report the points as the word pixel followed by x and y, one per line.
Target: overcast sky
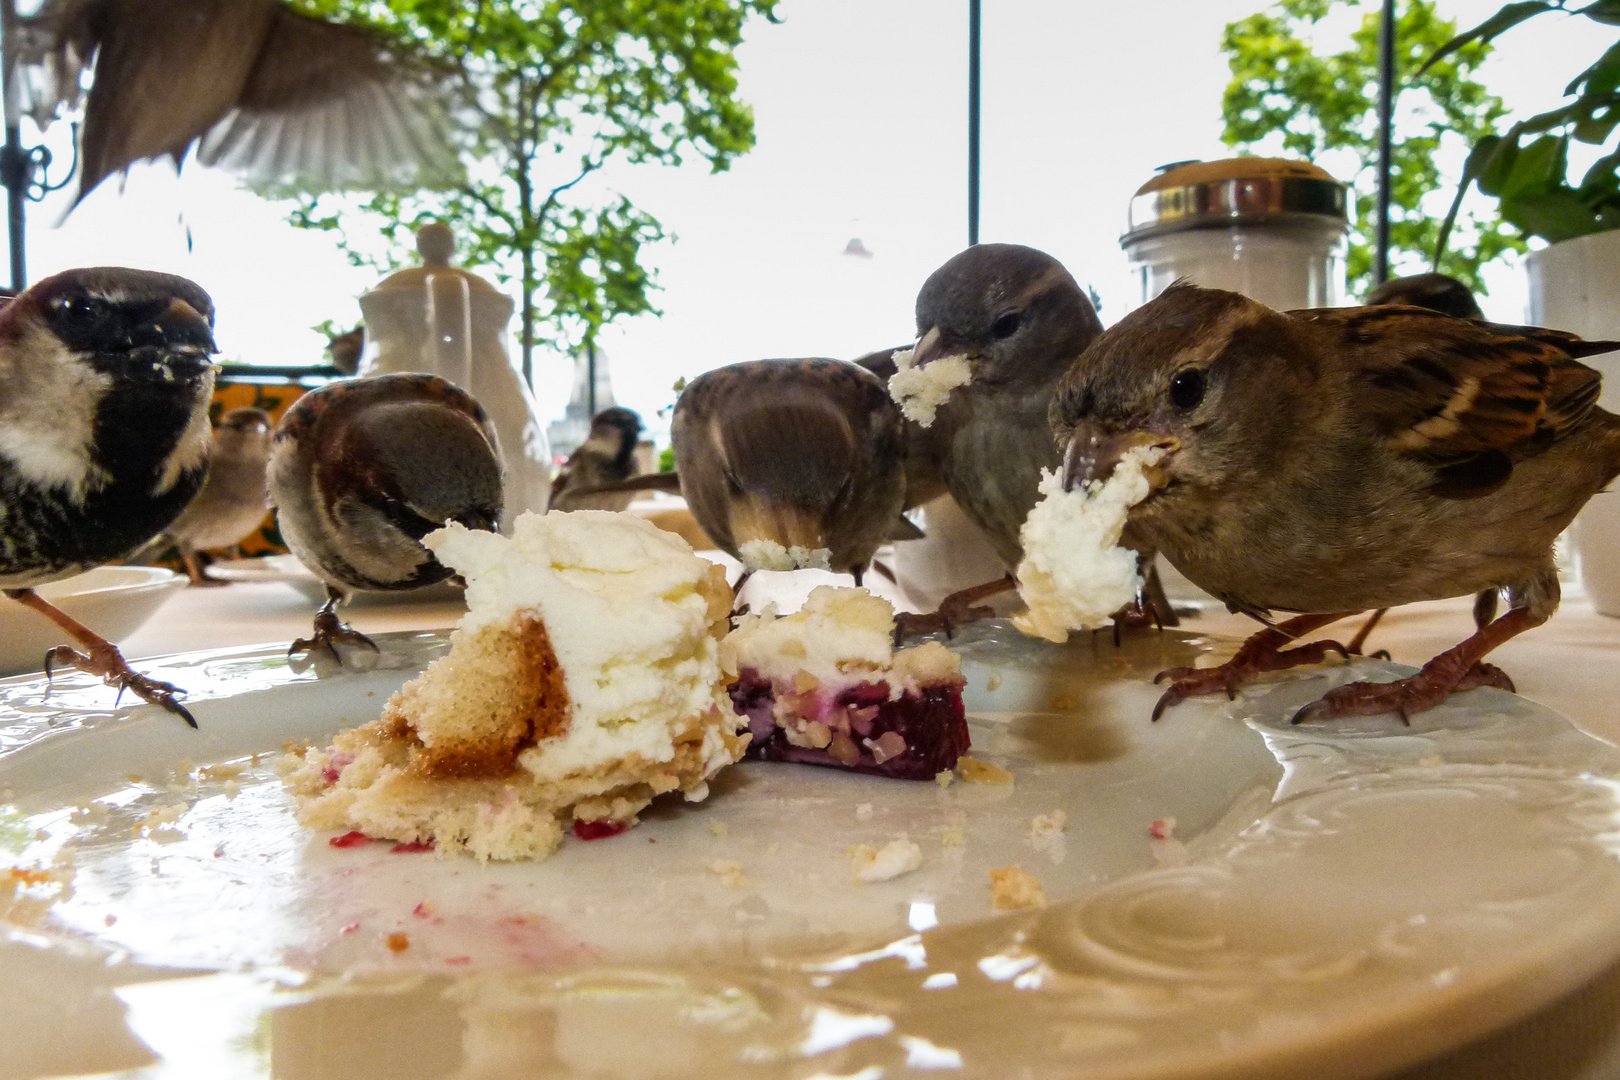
pixel 861 125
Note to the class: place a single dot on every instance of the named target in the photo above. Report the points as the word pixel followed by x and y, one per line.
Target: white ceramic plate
pixel 111 600
pixel 287 570
pixel 1335 901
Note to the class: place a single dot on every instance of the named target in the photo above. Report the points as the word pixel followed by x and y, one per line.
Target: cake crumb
pixel 228 770
pixel 944 778
pixel 955 832
pixel 993 682
pixel 1167 849
pixel 974 771
pixel 295 747
pixel 398 943
pixel 920 391
pixel 1012 888
pixel 718 828
pixel 1046 834
pixel 730 873
pixel 1074 574
pixel 1162 828
pixel 898 856
pixel 863 812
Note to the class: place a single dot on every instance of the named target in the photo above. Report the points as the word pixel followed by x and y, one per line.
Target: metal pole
pixel 973 122
pixel 13 162
pixel 590 374
pixel 1386 106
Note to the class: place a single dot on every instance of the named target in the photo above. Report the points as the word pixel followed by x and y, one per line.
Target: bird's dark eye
pixel 1007 325
pixel 1187 388
pixel 81 317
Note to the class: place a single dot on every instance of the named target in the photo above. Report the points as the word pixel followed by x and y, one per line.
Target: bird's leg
pixel 958 608
pixel 1360 639
pixel 197 571
pixel 329 632
pixel 1263 652
pixel 736 592
pixel 1151 606
pixel 100 658
pixel 1458 668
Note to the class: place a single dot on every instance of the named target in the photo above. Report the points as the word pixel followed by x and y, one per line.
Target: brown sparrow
pixel 234 500
pixel 105 380
pixel 1020 319
pixel 796 458
pixel 260 89
pixel 1331 461
pixel 362 469
pixel 607 456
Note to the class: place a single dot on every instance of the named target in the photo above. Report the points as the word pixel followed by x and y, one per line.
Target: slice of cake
pixel 583 682
pixel 825 686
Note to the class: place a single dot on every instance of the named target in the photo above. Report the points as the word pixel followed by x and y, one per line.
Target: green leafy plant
pixel 554 90
pixel 1287 98
pixel 1527 168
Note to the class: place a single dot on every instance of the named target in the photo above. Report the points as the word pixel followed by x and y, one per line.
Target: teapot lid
pixel 435 243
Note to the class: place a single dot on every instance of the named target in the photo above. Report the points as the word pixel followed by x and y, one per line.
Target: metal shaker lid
pixel 1234 191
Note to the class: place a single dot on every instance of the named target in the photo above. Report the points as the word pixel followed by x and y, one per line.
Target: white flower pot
pixel 1575 286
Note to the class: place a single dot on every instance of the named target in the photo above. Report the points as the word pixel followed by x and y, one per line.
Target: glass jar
pixel 1270 228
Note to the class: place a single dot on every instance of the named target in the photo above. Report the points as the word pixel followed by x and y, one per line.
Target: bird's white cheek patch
pixel 920 391
pixel 1074 575
pixel 192 449
pixel 51 445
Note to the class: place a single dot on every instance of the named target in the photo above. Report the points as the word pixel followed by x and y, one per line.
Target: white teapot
pixel 449 322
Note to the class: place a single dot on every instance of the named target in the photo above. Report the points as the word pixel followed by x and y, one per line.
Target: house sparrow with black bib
pixel 788 464
pixel 361 470
pixel 233 501
pixel 1331 461
pixel 105 379
pixel 607 456
pixel 1019 319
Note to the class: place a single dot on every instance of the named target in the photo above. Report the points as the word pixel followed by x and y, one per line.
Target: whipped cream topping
pixel 1074 575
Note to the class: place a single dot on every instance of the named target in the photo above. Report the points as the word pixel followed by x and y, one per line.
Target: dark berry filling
pixel 913 737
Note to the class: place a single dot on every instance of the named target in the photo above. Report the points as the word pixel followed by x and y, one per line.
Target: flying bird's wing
pixel 333 106
pixel 275 97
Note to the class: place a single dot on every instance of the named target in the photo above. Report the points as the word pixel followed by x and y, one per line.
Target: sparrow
pixel 1437 292
pixel 1332 461
pixel 606 456
pixel 803 456
pixel 259 89
pixel 923 482
pixel 1020 319
pixel 346 349
pixel 361 470
pixel 105 379
pixel 235 498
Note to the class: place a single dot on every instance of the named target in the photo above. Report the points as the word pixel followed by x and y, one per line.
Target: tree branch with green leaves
pixel 1287 97
pixel 552 91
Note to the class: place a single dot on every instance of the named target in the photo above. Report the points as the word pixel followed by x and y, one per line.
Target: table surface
pixel 1572 664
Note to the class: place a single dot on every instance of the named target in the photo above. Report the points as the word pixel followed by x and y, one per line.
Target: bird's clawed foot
pixel 320 649
pixel 1403 697
pixel 1358 642
pixel 1263 652
pixel 108 664
pixel 955 610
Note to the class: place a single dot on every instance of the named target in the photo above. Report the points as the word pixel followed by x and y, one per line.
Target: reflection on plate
pixel 286 569
pixel 1334 901
pixel 111 600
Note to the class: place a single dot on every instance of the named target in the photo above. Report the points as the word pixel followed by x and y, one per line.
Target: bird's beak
pixel 927 348
pixel 181 327
pixel 1092 455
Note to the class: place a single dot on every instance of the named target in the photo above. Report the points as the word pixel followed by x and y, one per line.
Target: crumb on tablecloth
pixel 898 856
pixel 974 771
pixel 1012 888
